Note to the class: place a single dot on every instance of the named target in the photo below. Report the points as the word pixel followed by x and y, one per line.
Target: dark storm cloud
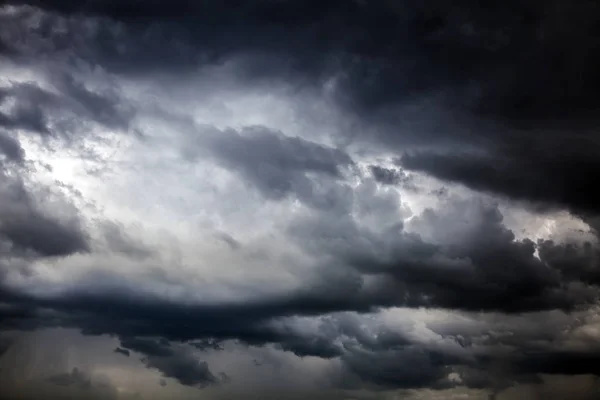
pixel 395 50
pixel 510 84
pixel 320 346
pixel 11 148
pixel 105 108
pixel 466 259
pixel 171 362
pixel 387 360
pixel 134 316
pixel 149 347
pixel 530 344
pixel 389 176
pixel 28 113
pixel 122 351
pixel 470 261
pixel 207 344
pixel 185 368
pixel 497 73
pixel 27 227
pixel 41 110
pixel 573 260
pixel 559 362
pixel 551 171
pixel 408 368
pixel 43 235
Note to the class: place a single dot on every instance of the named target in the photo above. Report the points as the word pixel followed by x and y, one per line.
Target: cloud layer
pixel 345 197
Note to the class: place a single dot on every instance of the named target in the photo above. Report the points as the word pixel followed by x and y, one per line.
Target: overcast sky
pixel 290 199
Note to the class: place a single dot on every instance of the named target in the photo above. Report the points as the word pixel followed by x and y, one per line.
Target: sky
pixel 282 199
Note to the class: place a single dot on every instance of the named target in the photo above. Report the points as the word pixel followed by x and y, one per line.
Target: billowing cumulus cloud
pixel 291 199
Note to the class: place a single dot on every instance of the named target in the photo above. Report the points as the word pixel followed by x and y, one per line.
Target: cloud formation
pixel 370 197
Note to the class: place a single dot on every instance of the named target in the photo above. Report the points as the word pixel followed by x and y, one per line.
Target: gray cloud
pixel 476 64
pixel 57 111
pixel 406 368
pixel 11 148
pixel 524 171
pixel 456 262
pixel 171 362
pixel 275 164
pixel 388 176
pixel 28 113
pixel 463 258
pixel 122 351
pixel 75 378
pixel 27 227
pixel 498 99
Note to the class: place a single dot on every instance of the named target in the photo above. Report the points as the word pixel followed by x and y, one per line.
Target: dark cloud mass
pixel 388 176
pixel 172 363
pixel 43 111
pixel 389 198
pixel 530 67
pixel 25 226
pixel 122 351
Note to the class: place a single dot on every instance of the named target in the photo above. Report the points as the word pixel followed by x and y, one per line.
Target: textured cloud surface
pixel 283 199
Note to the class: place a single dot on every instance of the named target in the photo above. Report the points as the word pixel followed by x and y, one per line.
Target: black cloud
pixel 476 266
pixel 394 51
pixel 28 113
pixel 480 65
pixel 472 261
pixel 510 64
pixel 535 171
